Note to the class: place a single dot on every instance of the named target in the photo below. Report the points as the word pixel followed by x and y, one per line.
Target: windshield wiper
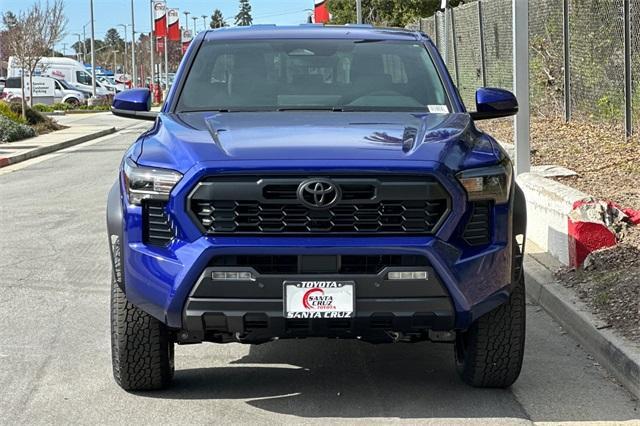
pixel 311 108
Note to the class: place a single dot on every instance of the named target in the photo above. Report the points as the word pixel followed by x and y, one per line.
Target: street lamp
pixel 204 22
pixel 124 65
pixel 186 18
pixel 134 71
pixel 79 51
pixel 115 59
pixel 93 54
pixel 195 19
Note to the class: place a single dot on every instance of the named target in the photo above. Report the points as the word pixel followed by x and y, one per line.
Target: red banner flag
pixel 187 36
pixel 160 18
pixel 174 24
pixel 321 12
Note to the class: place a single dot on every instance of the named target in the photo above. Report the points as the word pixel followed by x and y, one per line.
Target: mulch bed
pixel 608 168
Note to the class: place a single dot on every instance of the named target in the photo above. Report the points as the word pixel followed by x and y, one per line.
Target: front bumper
pixel 252 310
pixel 161 280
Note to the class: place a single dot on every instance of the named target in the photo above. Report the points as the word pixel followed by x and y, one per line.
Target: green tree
pixel 113 40
pixel 244 17
pixel 392 13
pixel 217 20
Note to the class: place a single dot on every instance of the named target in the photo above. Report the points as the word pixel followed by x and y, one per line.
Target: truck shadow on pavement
pixel 337 378
pixel 315 378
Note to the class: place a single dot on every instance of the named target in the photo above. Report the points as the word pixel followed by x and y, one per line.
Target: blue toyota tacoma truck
pixel 316 181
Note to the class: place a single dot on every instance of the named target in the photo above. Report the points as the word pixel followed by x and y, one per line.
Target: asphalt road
pixel 54 340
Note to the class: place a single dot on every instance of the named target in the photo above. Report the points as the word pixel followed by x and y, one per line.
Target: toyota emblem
pixel 319 193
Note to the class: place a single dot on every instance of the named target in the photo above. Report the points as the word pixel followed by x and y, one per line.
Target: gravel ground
pixel 610 284
pixel 608 168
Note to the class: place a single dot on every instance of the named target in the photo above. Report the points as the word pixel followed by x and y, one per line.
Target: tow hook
pixel 442 336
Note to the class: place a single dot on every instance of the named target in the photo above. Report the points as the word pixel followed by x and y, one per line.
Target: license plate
pixel 319 299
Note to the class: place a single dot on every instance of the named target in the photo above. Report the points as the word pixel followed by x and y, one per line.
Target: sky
pixel 110 13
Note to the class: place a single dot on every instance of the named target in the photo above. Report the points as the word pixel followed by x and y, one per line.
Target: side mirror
pixel 494 103
pixel 133 103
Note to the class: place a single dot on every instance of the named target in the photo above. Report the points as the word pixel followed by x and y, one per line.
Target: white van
pixel 61 68
pixel 46 90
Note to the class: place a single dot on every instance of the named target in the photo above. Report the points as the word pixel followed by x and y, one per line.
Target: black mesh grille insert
pixel 158 229
pixel 346 264
pixel 477 230
pixel 255 217
pixel 368 205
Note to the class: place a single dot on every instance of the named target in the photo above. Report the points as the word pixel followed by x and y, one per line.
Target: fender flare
pixel 519 229
pixel 519 212
pixel 115 233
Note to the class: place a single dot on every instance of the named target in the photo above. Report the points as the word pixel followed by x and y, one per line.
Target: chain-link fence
pixel 479 52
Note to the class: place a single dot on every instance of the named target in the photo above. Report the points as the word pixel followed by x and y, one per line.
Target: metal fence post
pixel 628 121
pixel 520 29
pixel 455 47
pixel 437 30
pixel 483 64
pixel 445 46
pixel 567 61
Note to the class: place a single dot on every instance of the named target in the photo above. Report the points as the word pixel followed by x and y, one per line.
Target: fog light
pixel 408 275
pixel 232 276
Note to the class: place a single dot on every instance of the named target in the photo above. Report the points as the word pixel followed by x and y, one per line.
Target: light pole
pixel 124 65
pixel 153 23
pixel 84 42
pixel 134 73
pixel 204 22
pixel 115 60
pixel 79 51
pixel 195 20
pixel 359 11
pixel 93 55
pixel 186 19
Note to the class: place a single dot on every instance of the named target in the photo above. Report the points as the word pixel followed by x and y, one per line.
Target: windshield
pixel 313 74
pixel 65 84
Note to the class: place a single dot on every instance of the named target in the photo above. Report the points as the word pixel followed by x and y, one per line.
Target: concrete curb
pixel 46 149
pixel 619 356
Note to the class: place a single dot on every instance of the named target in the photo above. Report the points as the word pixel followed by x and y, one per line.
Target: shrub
pixel 42 108
pixel 33 116
pixel 61 106
pixel 7 112
pixel 11 131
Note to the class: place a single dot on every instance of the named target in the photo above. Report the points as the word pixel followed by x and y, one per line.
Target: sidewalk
pixel 16 152
pixel 618 355
pixel 81 128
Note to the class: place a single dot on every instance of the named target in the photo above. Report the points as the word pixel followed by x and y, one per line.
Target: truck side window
pixel 83 78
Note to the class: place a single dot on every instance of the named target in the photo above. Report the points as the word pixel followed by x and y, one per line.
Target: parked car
pixel 316 182
pixel 61 91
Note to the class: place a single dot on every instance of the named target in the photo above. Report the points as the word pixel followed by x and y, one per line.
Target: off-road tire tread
pixel 141 347
pixel 495 344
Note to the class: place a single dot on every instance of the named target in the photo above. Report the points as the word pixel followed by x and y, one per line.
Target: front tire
pixel 142 350
pixel 72 101
pixel 490 353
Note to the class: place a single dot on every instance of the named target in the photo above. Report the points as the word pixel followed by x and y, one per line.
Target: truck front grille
pixel 271 205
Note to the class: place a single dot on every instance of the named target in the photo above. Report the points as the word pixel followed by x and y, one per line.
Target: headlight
pixel 488 183
pixel 146 183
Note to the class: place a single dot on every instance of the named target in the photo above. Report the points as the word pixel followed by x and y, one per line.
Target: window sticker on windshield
pixel 439 109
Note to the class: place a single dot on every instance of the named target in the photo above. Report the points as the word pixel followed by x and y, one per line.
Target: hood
pixel 320 135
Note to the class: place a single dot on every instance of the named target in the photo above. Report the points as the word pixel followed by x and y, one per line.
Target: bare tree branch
pixel 33 35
